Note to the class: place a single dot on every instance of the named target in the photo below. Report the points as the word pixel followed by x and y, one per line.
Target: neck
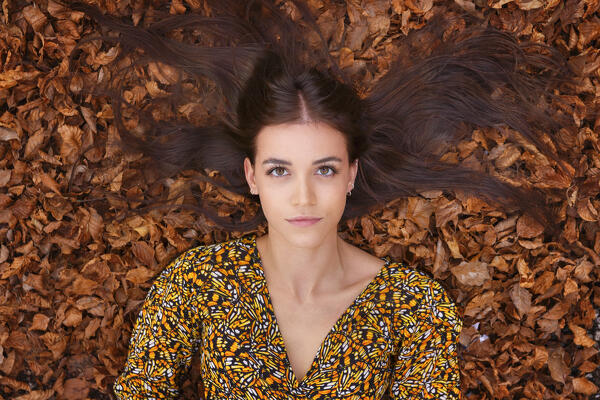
pixel 305 272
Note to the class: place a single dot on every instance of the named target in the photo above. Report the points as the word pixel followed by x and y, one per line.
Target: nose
pixel 304 193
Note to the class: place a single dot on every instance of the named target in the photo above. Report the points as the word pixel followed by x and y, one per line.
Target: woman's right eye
pixel 279 169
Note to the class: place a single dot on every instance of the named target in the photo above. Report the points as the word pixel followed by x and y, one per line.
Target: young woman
pixel 298 312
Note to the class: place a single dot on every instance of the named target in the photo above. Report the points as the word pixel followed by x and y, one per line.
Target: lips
pixel 304 221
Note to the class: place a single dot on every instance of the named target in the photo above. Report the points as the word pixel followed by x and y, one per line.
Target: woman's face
pixel 301 170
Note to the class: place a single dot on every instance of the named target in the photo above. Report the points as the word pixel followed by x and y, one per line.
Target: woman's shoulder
pixel 226 248
pixel 418 282
pixel 208 256
pixel 427 296
pixel 195 265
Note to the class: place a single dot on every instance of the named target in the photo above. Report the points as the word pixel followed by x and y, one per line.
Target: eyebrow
pixel 284 162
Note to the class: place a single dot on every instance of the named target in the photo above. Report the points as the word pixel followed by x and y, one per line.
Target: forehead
pixel 311 140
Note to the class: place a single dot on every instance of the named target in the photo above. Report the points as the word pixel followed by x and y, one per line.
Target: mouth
pixel 304 221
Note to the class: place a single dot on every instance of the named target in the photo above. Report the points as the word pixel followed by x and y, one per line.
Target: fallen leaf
pixel 76 389
pixel 474 273
pixel 139 275
pixel 557 366
pixel 521 298
pixel 582 385
pixel 40 322
pixel 581 338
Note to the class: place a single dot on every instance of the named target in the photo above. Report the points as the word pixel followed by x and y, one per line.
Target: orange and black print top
pixel 397 340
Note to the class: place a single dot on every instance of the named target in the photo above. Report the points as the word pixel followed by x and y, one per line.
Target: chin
pixel 305 236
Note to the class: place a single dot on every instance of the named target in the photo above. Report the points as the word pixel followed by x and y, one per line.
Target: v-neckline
pixel 269 305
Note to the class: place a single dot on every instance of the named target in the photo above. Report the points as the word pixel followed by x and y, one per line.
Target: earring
pixel 350 191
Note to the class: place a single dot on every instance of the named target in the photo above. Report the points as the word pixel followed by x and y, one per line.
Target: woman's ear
pixel 353 171
pixel 249 173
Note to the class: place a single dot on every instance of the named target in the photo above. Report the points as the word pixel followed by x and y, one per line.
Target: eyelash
pixel 333 170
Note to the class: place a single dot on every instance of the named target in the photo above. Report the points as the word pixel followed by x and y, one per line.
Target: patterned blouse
pixel 398 339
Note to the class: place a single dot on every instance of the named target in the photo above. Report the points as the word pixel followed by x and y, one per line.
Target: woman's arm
pixel 427 364
pixel 167 332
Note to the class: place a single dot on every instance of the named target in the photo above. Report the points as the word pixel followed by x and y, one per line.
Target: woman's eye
pixel 280 169
pixel 325 169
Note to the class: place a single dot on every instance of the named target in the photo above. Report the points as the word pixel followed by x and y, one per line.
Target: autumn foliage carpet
pixel 75 265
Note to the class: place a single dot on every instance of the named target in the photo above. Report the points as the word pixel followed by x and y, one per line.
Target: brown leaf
pixel 139 275
pixel 87 302
pixel 446 212
pixel 527 277
pixel 570 287
pixel 540 355
pixel 92 327
pixel 7 134
pixel 34 143
pixel 479 303
pixel 582 385
pixel 558 311
pixel 586 210
pixel 144 253
pixel 581 338
pixel 34 17
pixel 13 269
pixel 474 273
pixel 50 183
pixel 70 143
pixel 164 73
pixel 55 343
pixel 346 57
pixel 556 364
pixel 582 271
pixel 588 31
pixel 40 322
pixel 440 263
pixel 419 6
pixel 529 4
pixel 82 286
pixel 419 211
pixel 95 224
pixel 507 156
pixel 106 57
pixel 23 207
pixel 368 230
pixel 4 177
pixel 72 317
pixel 527 227
pixel 543 282
pixel 76 389
pixel 521 298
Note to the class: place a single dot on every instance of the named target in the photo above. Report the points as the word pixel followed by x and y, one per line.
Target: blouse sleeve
pixel 166 333
pixel 427 364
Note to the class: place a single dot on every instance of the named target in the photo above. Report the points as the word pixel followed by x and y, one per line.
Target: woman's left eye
pixel 325 167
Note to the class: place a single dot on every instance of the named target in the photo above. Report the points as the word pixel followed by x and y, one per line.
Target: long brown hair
pixel 267 74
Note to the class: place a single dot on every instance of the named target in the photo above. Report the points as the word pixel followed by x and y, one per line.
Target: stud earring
pixel 350 191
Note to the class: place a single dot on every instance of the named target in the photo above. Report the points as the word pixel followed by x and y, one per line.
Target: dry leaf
pixel 521 298
pixel 40 322
pixel 556 364
pixel 581 338
pixel 582 385
pixel 527 277
pixel 76 389
pixel 139 275
pixel 474 273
